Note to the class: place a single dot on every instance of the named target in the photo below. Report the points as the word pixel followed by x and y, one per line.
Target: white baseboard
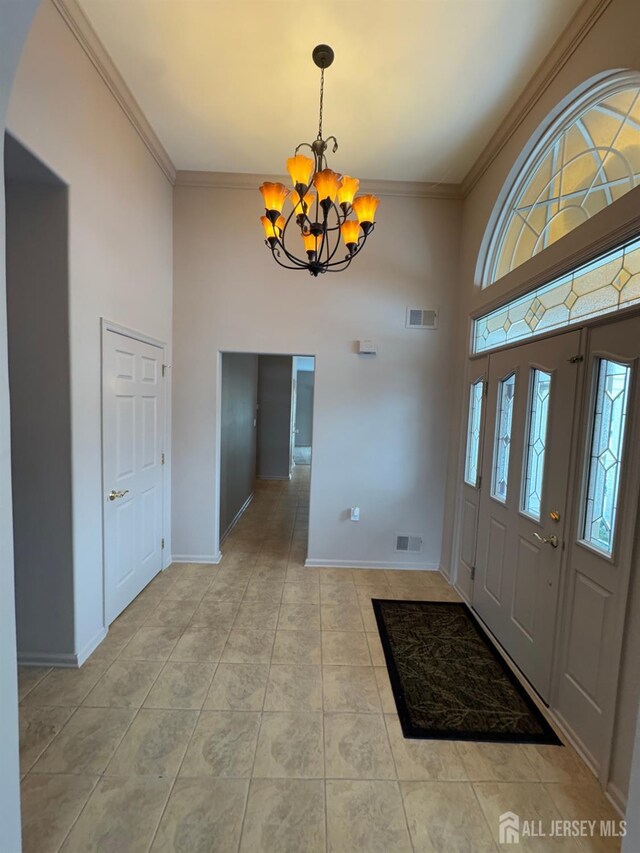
pixel 237 517
pixel 370 564
pixel 197 558
pixel 69 660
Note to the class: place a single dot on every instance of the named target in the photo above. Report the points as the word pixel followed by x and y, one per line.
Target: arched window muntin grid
pixel 622 172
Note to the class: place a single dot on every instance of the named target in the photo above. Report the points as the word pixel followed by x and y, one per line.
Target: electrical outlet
pixel 355 513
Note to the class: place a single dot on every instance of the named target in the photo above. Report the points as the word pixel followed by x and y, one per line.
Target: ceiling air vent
pixel 422 318
pixel 411 544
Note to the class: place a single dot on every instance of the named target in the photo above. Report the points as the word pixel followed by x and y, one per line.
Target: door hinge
pixel 485 388
pixel 473 573
pixel 575 359
pixel 162 543
pixel 162 458
pixel 479 482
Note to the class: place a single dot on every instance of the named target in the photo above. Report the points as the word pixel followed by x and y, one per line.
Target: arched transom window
pixel 586 160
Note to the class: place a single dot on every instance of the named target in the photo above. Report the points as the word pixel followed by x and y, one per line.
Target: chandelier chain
pixel 321 101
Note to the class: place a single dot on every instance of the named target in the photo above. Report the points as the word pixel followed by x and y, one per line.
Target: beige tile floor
pixel 246 707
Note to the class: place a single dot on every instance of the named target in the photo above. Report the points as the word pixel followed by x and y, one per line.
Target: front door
pixel 522 513
pixel 133 418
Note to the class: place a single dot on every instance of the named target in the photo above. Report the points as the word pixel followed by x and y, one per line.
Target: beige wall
pixel 381 423
pixel 120 253
pixel 612 44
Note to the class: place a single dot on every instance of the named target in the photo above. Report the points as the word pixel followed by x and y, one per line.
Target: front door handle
pixel 113 494
pixel 548 540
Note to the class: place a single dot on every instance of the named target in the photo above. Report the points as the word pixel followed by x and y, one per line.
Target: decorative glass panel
pixel 585 166
pixel 537 443
pixel 603 484
pixel 503 438
pixel 473 433
pixel 602 286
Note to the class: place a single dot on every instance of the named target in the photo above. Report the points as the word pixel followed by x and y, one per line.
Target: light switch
pixel 355 513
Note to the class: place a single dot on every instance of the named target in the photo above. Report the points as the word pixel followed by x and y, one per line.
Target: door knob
pixel 113 494
pixel 548 540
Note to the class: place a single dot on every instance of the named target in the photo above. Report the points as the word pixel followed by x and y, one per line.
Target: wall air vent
pixel 410 544
pixel 422 318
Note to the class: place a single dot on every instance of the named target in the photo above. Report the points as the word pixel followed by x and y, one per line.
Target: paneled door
pixel 133 429
pixel 522 513
pixel 601 550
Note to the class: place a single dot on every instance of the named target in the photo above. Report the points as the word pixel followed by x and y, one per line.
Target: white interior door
pixel 133 419
pixel 521 518
pixel 601 551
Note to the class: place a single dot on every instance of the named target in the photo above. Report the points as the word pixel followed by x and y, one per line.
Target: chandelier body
pixel 323 203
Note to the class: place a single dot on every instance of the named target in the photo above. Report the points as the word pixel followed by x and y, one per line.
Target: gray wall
pixel 274 416
pixel 238 434
pixel 16 19
pixel 304 407
pixel 39 381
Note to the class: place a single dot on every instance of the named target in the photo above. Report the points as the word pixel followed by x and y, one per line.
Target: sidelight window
pixel 506 393
pixel 473 433
pixel 605 459
pixel 537 442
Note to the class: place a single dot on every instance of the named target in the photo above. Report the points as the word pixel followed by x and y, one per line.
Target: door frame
pixel 117 328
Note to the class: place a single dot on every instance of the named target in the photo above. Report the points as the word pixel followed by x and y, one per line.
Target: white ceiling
pixel 416 90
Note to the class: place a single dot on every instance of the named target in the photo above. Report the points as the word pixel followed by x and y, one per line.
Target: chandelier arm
pixel 361 242
pixel 340 266
pixel 294 260
pixel 299 266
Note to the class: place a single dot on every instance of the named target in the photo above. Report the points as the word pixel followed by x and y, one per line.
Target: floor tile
pixel 445 817
pixel 151 644
pixel 202 644
pixel 301 592
pixel 257 614
pixel 336 576
pixel 556 763
pixel 345 648
pixel 338 593
pixel 28 677
pixel 223 744
pixel 172 613
pixel 384 689
pixel 341 617
pixel 500 762
pixel 264 590
pixel 39 724
pixel 375 649
pixel 299 616
pixel 66 687
pixel 366 816
pixel 586 801
pixel 181 685
pixel 154 745
pixel 202 816
pixel 290 746
pixel 357 747
pixel 113 644
pixel 297 647
pixel 124 685
pixel 529 800
pixel 284 816
pixel 87 742
pixel 247 645
pixel 294 688
pixel 215 614
pixel 121 814
pixel 350 688
pixel 237 687
pixel 424 759
pixel 50 805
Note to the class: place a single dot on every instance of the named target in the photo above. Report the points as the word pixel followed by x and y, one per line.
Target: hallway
pixel 246 707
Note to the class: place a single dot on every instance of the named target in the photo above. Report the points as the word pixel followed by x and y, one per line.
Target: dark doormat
pixel 448 679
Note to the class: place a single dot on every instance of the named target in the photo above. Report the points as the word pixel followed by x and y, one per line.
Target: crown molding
pixel 565 46
pixel 80 26
pixel 247 181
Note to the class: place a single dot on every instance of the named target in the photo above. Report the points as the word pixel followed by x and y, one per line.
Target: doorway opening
pixel 266 439
pixel 40 387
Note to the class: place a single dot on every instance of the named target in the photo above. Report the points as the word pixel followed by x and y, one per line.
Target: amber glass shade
pixel 350 231
pixel 273 195
pixel 300 169
pixel 326 183
pixel 310 242
pixel 271 230
pixel 308 199
pixel 347 189
pixel 365 207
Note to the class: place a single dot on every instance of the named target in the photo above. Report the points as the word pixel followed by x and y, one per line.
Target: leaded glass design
pixel 605 461
pixel 473 433
pixel 537 442
pixel 607 284
pixel 581 170
pixel 502 447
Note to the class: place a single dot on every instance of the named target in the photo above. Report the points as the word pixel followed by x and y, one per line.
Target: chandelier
pixel 322 203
